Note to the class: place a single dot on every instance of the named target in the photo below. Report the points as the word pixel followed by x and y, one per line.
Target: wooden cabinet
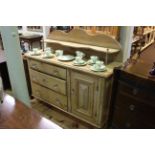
pixel 80 94
pixel 84 96
pixel 76 90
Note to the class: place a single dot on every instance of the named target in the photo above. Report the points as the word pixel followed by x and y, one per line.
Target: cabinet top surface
pixel 70 65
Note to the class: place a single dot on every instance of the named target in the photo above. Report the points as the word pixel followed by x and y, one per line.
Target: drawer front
pixel 138 92
pixel 50 82
pixel 47 68
pixel 49 96
pixel 132 113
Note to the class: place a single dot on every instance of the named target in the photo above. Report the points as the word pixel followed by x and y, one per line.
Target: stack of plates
pixel 48 56
pixel 35 54
pixel 81 63
pixel 90 62
pixel 101 69
pixel 66 57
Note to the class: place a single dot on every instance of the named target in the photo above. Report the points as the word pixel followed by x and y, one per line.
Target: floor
pixel 60 118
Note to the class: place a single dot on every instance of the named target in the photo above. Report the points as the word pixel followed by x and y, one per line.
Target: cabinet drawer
pixel 137 91
pixel 50 82
pixel 47 68
pixel 132 113
pixel 49 96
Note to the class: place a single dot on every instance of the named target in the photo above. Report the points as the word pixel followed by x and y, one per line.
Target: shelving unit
pixel 143 36
pixel 78 45
pixel 40 30
pixel 112 31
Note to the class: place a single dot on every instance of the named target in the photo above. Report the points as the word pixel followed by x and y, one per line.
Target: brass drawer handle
pixel 131 107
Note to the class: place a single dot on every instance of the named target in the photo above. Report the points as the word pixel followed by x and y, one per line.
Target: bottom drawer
pixel 49 96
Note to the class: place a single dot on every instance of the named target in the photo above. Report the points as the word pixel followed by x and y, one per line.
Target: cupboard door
pixel 83 96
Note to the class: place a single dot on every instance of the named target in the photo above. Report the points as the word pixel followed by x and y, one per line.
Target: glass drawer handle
pixel 34 66
pixel 72 91
pixel 55 86
pixel 55 72
pixel 37 92
pixel 34 79
pixel 128 125
pixel 132 107
pixel 135 91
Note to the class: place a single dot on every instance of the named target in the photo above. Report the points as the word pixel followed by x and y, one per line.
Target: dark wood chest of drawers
pixel 132 101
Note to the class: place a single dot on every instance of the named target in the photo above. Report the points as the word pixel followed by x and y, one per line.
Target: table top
pixel 142 65
pixel 69 64
pixel 30 36
pixel 15 115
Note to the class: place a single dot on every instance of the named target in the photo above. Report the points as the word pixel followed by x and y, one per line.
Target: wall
pixel 126 34
pixel 15 63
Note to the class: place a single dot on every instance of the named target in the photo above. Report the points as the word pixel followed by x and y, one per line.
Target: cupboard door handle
pixel 132 107
pixel 72 91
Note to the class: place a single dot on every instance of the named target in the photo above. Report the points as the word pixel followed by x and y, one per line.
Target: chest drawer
pixel 47 68
pixel 49 96
pixel 50 82
pixel 132 113
pixel 138 91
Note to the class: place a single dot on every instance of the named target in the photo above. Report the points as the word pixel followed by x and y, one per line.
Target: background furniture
pixel 133 97
pixel 31 39
pixel 143 36
pixel 1 43
pixel 4 71
pixel 15 115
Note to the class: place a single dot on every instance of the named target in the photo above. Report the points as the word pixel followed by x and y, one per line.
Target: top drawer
pixel 137 91
pixel 47 68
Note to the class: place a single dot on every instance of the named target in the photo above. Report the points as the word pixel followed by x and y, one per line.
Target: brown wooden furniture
pixel 1 43
pixel 75 90
pixel 4 71
pixel 15 115
pixel 133 94
pixel 31 39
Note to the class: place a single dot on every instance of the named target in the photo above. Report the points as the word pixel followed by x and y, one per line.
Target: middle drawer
pixel 50 82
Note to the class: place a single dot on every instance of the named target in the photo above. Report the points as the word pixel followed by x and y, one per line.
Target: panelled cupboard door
pixel 84 96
